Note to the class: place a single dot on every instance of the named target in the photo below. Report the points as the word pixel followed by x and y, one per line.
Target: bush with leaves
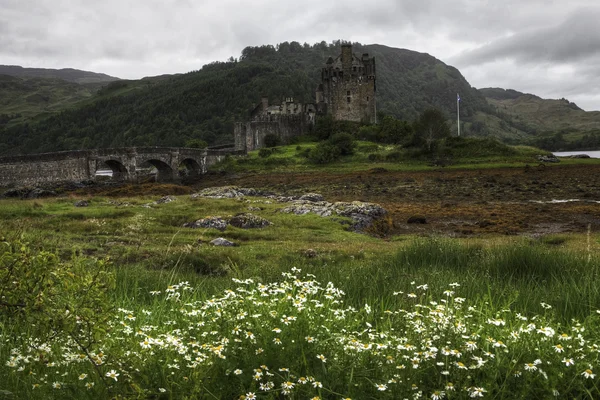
pixel 272 140
pixel 265 153
pixel 324 153
pixel 55 297
pixel 344 142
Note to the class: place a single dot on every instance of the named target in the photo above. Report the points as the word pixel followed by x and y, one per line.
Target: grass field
pixel 300 309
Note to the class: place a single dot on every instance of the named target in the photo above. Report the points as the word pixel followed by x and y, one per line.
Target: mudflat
pixel 534 200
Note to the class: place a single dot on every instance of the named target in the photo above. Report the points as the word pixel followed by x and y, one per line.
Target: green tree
pixel 430 128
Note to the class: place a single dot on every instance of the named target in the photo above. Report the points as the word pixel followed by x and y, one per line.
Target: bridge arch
pixel 189 168
pixel 119 171
pixel 164 172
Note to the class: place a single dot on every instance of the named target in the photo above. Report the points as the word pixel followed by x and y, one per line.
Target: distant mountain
pixel 553 124
pixel 67 74
pixel 542 114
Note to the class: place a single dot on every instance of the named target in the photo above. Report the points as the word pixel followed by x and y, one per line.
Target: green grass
pixel 552 283
pixel 464 153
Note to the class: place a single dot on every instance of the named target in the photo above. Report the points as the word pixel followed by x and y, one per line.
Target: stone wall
pixel 251 135
pixel 45 168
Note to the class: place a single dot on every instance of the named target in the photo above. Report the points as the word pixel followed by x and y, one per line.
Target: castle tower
pixel 348 87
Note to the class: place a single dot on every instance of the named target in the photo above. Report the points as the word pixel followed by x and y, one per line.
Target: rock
pixel 417 219
pixel 249 221
pixel 301 207
pixel 310 253
pixel 16 192
pixel 228 192
pixel 362 214
pixel 222 242
pixel 166 199
pixel 313 197
pixel 81 203
pixel 209 222
pixel 551 158
pixel 252 208
pixel 38 193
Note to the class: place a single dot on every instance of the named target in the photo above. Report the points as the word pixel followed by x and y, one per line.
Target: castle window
pixel 354 69
pixel 348 93
pixel 348 99
pixel 367 98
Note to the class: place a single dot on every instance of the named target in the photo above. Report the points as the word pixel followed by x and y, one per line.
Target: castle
pixel 347 92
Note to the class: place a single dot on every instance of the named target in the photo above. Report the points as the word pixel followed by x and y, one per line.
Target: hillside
pixel 546 119
pixel 66 74
pixel 204 104
pixel 22 98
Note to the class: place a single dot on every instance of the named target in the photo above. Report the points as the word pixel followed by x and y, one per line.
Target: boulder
pixel 222 242
pixel 227 192
pixel 208 222
pixel 166 199
pixel 249 221
pixel 38 193
pixel 549 159
pixel 81 203
pixel 313 197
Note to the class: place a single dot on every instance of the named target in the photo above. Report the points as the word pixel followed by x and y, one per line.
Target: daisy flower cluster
pixel 300 338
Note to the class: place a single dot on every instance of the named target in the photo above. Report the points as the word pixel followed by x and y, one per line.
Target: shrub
pixel 375 157
pixel 265 153
pixel 196 144
pixel 344 142
pixel 324 153
pixel 394 156
pixel 272 140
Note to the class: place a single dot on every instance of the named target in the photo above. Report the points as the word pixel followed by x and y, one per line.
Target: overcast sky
pixel 547 47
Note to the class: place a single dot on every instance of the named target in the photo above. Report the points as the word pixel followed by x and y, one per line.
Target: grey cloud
pixel 577 38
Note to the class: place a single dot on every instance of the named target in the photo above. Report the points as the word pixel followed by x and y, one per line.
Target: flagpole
pixel 458 112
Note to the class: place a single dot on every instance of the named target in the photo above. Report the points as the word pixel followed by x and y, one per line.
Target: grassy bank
pixel 313 310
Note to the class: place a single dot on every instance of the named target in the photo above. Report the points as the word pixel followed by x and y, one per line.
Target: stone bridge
pixel 171 163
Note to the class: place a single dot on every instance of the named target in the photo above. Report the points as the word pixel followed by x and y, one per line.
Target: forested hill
pixel 204 104
pixel 66 74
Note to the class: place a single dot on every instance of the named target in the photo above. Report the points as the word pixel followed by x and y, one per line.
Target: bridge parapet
pixel 79 165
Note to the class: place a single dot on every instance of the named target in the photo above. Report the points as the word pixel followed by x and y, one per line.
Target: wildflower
pixel 460 365
pixel 322 358
pixel 237 371
pixel 476 392
pixel 471 345
pixel 568 361
pixel 89 385
pixel 287 387
pixel 277 341
pixel 530 367
pixel 438 395
pixel 112 374
pixel 35 385
pixel 558 348
pixel 317 384
pixel 276 330
pixel 82 376
pixel 450 387
pixel 162 390
pixel 56 385
pixel 545 306
pixel 310 339
pixel 381 387
pixel 588 374
pixel 250 396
